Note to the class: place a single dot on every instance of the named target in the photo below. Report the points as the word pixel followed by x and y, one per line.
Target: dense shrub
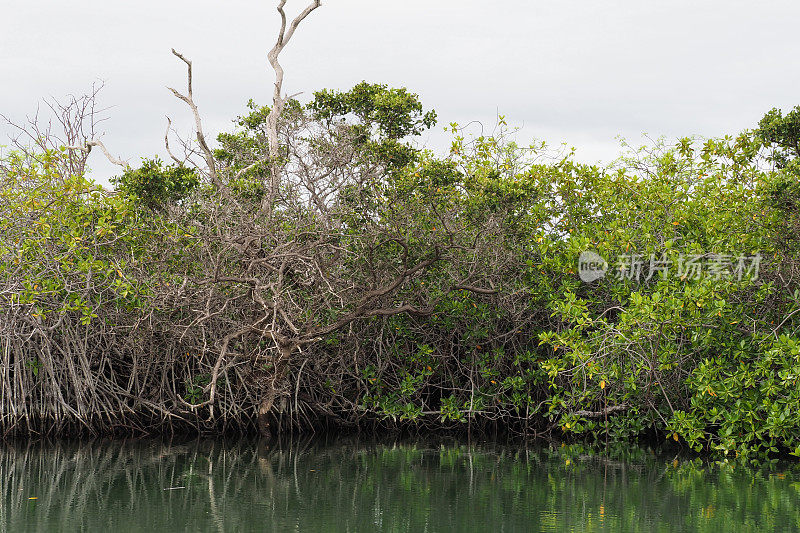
pixel 155 186
pixel 384 284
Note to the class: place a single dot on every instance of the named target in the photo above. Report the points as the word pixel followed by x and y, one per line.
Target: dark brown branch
pixel 477 290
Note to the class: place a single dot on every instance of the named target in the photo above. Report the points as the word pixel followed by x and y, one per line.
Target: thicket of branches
pixel 317 268
pixel 209 292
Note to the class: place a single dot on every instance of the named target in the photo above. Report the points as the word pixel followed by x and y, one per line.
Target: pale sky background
pixel 575 71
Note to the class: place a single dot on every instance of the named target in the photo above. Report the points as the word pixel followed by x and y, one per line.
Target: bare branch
pixel 166 142
pixel 278 101
pixel 478 290
pixel 296 22
pixel 87 148
pixel 367 306
pixel 208 155
pixel 72 124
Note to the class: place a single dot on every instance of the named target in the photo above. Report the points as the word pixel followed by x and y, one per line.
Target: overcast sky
pixel 567 70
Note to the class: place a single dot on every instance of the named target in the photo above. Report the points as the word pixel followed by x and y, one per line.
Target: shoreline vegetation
pixel 316 269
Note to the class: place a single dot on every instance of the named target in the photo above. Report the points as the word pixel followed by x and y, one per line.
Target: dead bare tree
pixel 188 98
pixel 278 101
pixel 72 124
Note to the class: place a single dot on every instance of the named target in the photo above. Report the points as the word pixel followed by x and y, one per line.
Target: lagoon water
pixel 356 485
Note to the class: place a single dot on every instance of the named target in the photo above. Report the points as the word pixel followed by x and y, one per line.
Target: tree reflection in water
pixel 355 485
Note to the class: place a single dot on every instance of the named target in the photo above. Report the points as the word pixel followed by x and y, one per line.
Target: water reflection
pixel 365 486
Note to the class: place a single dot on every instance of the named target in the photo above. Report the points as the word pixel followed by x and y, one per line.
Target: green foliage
pixel 395 113
pixel 246 151
pixel 379 117
pixel 73 232
pixel 782 133
pixel 658 355
pixel 195 388
pixel 743 404
pixel 155 186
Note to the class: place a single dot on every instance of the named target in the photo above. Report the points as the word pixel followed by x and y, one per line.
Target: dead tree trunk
pixel 278 101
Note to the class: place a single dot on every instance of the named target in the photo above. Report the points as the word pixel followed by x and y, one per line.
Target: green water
pixel 364 486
